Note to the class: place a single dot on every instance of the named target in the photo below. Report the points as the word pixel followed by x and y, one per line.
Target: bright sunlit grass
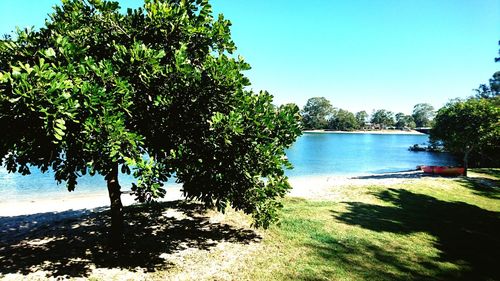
pixel 431 229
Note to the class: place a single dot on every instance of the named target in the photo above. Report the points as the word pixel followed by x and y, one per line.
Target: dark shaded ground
pixel 73 245
pixel 466 234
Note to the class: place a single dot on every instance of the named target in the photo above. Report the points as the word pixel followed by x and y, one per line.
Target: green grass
pixel 431 229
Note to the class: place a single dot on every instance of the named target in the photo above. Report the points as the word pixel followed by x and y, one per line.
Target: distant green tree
pixel 343 120
pixel 151 92
pixel 383 118
pixel 316 113
pixel 423 113
pixel 404 121
pixel 399 120
pixel 467 127
pixel 491 91
pixel 361 118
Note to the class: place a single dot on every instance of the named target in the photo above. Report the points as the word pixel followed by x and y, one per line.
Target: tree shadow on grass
pixel 72 246
pixel 466 235
pixel 494 172
pixel 482 186
pixel 367 261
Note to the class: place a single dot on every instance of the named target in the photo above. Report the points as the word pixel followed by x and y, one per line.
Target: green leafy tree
pixel 151 92
pixel 342 120
pixel 423 113
pixel 404 121
pixel 491 91
pixel 467 127
pixel 316 113
pixel 383 118
pixel 361 118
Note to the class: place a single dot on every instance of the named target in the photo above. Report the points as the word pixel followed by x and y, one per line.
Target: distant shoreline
pixel 374 132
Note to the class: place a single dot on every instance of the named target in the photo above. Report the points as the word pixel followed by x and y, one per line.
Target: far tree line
pixel 318 113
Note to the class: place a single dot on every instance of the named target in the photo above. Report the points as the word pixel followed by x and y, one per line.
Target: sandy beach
pixel 307 187
pixel 69 202
pixel 324 187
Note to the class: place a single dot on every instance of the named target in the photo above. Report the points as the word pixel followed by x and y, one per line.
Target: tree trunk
pixel 116 235
pixel 466 160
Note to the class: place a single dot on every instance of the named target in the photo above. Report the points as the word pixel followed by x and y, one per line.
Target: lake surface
pixel 312 155
pixel 349 154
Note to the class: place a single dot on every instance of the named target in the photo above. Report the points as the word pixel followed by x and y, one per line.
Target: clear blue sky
pixel 360 54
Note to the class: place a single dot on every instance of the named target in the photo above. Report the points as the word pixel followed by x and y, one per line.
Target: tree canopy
pixel 342 120
pixel 492 90
pixel 468 127
pixel 316 113
pixel 382 118
pixel 361 117
pixel 404 121
pixel 471 128
pixel 423 113
pixel 152 92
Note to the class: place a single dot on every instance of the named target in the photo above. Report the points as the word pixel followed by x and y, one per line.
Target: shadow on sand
pixel 466 235
pixel 73 245
pixel 412 174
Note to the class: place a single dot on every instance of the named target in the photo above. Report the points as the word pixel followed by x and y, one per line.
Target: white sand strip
pixel 315 187
pixel 306 187
pixel 68 202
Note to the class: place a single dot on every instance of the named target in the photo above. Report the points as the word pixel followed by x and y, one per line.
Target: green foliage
pixel 316 113
pixel 492 90
pixel 342 120
pixel 155 90
pixel 470 126
pixel 404 121
pixel 361 118
pixel 423 113
pixel 383 118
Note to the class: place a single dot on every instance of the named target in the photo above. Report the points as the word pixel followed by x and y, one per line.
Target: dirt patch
pixel 169 240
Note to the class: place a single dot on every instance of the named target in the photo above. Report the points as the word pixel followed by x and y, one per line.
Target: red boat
pixel 443 170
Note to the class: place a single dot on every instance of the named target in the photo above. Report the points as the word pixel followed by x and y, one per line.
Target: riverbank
pixel 68 202
pixel 306 186
pixel 375 132
pixel 391 223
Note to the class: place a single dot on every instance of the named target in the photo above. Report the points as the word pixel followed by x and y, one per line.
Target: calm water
pixel 312 154
pixel 321 154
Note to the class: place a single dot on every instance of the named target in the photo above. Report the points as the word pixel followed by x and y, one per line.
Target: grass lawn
pixel 430 229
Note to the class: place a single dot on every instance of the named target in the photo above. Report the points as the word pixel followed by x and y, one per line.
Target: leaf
pixel 16 70
pixel 60 121
pixel 66 95
pixel 58 131
pixel 59 137
pixel 61 126
pixel 14 100
pixel 49 53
